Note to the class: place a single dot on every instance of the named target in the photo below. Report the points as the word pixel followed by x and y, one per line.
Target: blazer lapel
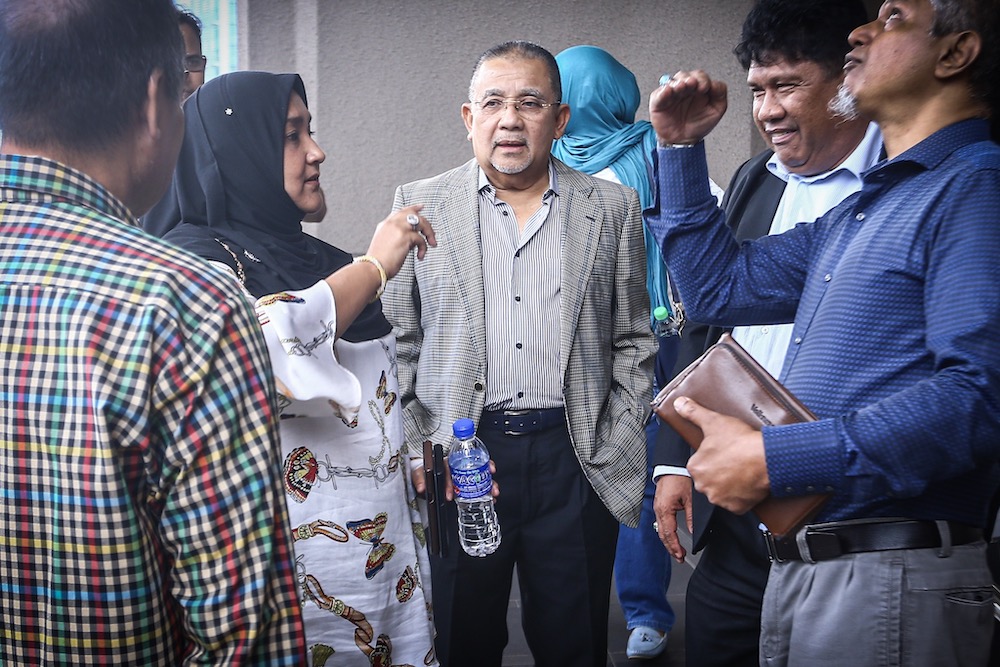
pixel 760 207
pixel 581 223
pixel 753 198
pixel 459 219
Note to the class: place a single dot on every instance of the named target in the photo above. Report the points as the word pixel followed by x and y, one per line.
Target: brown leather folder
pixel 726 379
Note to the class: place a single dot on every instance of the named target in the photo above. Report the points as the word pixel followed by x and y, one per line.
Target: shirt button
pixel 789 489
pixel 478 386
pixel 518 346
pixel 798 339
pixel 859 217
pixel 517 298
pixel 828 277
pixel 764 330
pixel 504 213
pixel 520 394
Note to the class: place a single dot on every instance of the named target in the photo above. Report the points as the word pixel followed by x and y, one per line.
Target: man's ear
pixel 960 50
pixel 153 106
pixel 562 120
pixel 467 119
pixel 157 137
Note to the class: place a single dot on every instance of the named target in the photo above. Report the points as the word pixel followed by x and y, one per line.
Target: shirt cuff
pixel 682 177
pixel 660 471
pixel 804 458
pixel 416 463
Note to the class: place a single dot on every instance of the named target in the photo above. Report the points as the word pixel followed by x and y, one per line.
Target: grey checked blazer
pixel 436 307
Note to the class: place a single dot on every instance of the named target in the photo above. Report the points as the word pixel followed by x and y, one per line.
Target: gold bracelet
pixel 381 274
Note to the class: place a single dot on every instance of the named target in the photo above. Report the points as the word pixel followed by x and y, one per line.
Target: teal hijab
pixel 602 132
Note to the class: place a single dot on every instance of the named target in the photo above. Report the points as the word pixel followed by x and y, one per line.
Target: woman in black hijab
pixel 247 174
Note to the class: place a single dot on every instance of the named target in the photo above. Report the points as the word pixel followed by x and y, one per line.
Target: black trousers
pixel 561 538
pixel 724 594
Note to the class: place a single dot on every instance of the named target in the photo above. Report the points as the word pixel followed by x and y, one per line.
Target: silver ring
pixel 665 79
pixel 413 220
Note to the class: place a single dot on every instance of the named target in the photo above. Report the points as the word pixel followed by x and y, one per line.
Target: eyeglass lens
pixel 194 63
pixel 529 106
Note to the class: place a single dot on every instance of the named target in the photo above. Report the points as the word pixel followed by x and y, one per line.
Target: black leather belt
pixel 522 422
pixel 825 541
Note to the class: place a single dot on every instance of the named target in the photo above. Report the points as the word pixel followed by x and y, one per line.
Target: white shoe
pixel 646 643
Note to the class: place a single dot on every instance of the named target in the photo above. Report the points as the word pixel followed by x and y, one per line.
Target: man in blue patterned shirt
pixel 142 515
pixel 894 348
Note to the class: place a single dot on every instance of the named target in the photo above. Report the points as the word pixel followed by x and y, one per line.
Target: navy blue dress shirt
pixel 895 295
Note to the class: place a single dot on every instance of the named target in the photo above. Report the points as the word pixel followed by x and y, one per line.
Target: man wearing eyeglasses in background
pixel 532 319
pixel 194 59
pixel 194 75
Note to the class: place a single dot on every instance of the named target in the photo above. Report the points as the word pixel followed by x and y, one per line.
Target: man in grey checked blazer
pixel 531 318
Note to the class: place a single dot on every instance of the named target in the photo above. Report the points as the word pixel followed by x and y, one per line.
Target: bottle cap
pixel 660 313
pixel 463 428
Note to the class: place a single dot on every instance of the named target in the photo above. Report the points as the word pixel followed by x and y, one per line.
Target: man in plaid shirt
pixel 142 517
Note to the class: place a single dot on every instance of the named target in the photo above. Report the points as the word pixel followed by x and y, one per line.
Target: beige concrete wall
pixel 386 78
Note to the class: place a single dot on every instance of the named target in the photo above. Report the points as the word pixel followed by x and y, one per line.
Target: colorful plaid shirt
pixel 143 518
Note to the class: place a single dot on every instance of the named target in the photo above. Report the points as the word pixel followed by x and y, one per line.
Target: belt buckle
pixel 821 545
pixel 507 414
pixel 772 548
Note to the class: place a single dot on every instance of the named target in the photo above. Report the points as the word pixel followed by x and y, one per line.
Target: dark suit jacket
pixel 750 203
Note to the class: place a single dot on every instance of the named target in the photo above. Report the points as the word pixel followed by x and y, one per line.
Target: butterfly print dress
pixel 359 549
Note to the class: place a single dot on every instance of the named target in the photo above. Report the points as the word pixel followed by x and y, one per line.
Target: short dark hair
pixel 74 73
pixel 982 17
pixel 526 50
pixel 800 30
pixel 188 18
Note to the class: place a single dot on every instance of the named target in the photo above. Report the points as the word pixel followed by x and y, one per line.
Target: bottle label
pixel 471 484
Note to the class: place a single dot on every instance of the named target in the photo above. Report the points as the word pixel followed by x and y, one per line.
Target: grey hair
pixel 524 50
pixel 983 18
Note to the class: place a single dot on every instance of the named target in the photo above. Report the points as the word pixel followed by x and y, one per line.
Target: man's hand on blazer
pixel 673 494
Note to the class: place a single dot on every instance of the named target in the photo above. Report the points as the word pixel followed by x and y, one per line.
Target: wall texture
pixel 386 78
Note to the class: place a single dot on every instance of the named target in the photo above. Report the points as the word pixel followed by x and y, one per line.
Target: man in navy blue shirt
pixel 895 298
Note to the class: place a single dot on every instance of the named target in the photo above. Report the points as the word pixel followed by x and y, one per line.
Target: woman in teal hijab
pixel 602 133
pixel 604 139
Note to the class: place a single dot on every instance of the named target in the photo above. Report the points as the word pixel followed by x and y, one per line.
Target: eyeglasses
pixel 194 64
pixel 526 106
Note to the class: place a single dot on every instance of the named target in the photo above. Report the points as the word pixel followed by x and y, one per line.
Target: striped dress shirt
pixel 143 518
pixel 521 286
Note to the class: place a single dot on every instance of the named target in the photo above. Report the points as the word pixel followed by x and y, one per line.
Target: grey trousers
pixel 882 608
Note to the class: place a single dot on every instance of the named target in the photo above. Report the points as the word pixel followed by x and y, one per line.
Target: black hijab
pixel 229 188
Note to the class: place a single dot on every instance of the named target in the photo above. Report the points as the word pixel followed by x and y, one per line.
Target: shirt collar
pixel 861 158
pixel 54 181
pixel 933 150
pixel 486 187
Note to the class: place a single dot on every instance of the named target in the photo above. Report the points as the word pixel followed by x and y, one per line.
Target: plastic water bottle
pixel 667 324
pixel 660 324
pixel 469 460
